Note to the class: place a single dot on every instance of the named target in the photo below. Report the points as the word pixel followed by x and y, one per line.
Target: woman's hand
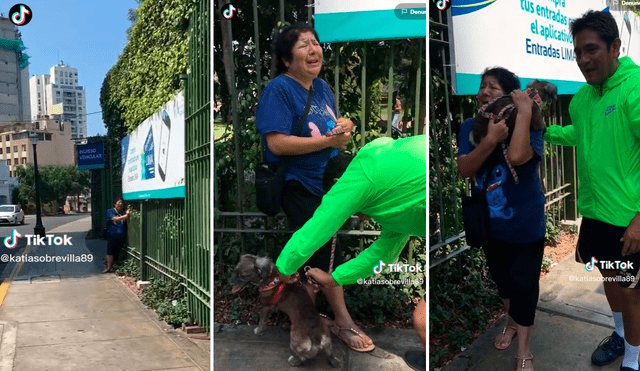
pixel 522 101
pixel 340 141
pixel 497 132
pixel 347 125
pixel 323 278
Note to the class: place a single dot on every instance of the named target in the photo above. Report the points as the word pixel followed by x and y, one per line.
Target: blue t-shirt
pixel 117 229
pixel 280 109
pixel 516 210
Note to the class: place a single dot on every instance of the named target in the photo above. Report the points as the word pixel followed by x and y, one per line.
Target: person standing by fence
pixel 116 231
pixel 605 129
pixel 515 247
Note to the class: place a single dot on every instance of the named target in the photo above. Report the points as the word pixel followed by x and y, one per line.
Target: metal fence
pixel 171 238
pixel 557 169
pixel 249 222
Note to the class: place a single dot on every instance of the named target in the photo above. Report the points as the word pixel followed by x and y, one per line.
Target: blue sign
pixel 91 156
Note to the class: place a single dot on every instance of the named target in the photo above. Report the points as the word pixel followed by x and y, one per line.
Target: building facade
pixel 58 95
pixel 55 145
pixel 14 75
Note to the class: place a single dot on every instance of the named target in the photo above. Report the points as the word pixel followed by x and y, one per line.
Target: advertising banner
pixel 339 20
pixel 90 156
pixel 153 155
pixel 528 37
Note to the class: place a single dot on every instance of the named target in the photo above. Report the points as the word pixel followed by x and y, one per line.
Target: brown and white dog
pixel 308 335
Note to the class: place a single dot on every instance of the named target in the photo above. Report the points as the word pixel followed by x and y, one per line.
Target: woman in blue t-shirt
pixel 298 56
pixel 516 204
pixel 117 232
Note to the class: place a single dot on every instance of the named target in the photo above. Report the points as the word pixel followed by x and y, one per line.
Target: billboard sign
pixel 339 20
pixel 90 156
pixel 153 155
pixel 529 37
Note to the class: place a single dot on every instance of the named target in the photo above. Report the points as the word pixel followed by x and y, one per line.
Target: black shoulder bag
pixel 270 176
pixel 475 215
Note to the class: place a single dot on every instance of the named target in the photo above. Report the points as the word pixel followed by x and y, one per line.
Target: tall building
pixel 14 75
pixel 59 96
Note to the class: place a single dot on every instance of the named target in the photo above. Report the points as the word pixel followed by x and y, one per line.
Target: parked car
pixel 11 214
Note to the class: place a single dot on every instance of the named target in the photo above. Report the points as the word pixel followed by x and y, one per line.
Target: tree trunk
pixel 225 26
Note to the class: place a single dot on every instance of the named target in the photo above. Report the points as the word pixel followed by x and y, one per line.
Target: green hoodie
pixel 387 181
pixel 606 133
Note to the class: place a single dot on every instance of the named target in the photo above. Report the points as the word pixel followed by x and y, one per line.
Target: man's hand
pixel 323 278
pixel 631 237
pixel 288 279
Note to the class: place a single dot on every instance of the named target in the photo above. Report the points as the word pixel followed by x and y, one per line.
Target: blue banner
pixel 90 156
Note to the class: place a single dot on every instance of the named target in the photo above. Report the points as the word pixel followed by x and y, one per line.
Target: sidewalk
pixel 70 316
pixel 238 348
pixel 571 320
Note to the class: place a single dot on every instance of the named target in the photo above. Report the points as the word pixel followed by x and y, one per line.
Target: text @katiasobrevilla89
pixel 390 282
pixel 601 279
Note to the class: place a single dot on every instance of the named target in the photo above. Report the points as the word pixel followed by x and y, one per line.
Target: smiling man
pixel 605 130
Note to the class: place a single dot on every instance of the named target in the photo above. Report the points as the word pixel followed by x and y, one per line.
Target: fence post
pixel 143 241
pixel 569 168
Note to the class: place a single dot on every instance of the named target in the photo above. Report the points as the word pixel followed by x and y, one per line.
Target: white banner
pixel 528 37
pixel 153 155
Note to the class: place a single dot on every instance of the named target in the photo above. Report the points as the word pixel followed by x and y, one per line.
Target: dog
pixel 542 92
pixel 308 335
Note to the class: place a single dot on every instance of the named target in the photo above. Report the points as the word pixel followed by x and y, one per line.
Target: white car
pixel 11 214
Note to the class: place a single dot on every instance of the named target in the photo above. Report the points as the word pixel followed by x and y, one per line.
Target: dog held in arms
pixel 542 92
pixel 308 335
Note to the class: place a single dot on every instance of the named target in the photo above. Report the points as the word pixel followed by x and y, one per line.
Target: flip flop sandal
pixel 524 364
pixel 504 331
pixel 336 331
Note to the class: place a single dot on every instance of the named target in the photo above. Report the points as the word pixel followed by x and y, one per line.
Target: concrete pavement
pixel 238 348
pixel 69 316
pixel 572 318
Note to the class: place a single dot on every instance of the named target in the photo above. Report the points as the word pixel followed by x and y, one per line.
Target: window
pixel 58 92
pixel 6 137
pixel 38 81
pixel 0 151
pixel 15 161
pixel 15 148
pixel 48 136
pixel 38 95
pixel 8 150
pixel 10 173
pixel 24 148
pixel 9 162
pixel 24 160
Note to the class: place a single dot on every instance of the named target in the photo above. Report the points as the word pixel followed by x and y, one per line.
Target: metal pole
pixel 390 104
pixel 39 228
pixel 281 10
pixel 416 118
pixel 364 96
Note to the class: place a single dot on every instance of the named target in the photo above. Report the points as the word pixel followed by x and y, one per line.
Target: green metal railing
pixel 171 238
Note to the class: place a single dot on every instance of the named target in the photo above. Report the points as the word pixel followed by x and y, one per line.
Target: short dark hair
pixel 283 43
pixel 508 80
pixel 116 201
pixel 335 168
pixel 601 22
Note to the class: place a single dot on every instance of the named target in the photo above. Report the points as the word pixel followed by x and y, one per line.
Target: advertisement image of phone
pixel 165 134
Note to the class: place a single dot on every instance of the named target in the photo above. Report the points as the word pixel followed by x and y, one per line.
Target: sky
pixel 88 35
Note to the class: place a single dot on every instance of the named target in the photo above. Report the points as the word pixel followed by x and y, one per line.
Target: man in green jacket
pixel 386 181
pixel 605 130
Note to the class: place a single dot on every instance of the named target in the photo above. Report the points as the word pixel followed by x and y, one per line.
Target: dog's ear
pixel 263 266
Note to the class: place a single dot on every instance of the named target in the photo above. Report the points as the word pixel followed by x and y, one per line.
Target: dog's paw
pixel 334 362
pixel 258 331
pixel 294 361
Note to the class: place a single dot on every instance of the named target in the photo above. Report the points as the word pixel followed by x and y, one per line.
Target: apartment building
pixel 55 145
pixel 14 75
pixel 58 95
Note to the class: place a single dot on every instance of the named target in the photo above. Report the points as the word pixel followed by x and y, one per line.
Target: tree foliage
pixel 146 74
pixel 56 183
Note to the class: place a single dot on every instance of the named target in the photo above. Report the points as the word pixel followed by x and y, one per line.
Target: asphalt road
pixel 49 223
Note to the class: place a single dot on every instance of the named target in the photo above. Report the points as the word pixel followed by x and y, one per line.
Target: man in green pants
pixel 605 130
pixel 386 181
